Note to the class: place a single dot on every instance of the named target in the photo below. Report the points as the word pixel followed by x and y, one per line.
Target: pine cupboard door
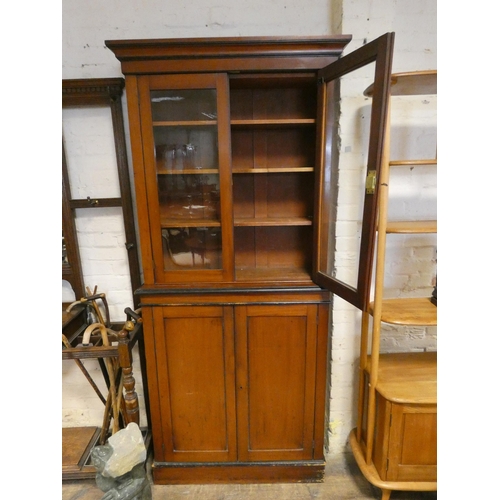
pixel 195 371
pixel 276 371
pixel 347 184
pixel 185 131
pixel 412 448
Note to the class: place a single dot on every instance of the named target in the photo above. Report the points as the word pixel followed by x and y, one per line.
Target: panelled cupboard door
pixel 185 132
pixel 347 184
pixel 412 450
pixel 195 369
pixel 276 368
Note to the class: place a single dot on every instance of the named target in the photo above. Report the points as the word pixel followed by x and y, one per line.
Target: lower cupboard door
pixel 412 453
pixel 195 366
pixel 275 381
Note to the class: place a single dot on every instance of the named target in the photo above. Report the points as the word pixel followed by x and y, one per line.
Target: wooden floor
pixel 343 481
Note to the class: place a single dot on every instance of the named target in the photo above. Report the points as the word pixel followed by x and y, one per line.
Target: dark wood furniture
pixel 78 441
pixel 234 145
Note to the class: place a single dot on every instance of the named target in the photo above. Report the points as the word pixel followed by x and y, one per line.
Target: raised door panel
pixel 412 453
pixel 276 368
pixel 195 366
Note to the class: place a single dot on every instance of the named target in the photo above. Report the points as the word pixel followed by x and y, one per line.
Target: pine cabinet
pixel 405 430
pixel 411 453
pixel 395 441
pixel 235 145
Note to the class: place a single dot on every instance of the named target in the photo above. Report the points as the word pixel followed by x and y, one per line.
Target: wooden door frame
pixel 378 51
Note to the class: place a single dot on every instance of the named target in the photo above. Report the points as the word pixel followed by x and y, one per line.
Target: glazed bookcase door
pixel 186 150
pixel 348 183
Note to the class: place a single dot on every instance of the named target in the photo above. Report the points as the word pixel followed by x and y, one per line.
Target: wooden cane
pixel 110 368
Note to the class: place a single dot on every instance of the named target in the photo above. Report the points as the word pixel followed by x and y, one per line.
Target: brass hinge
pixel 371 181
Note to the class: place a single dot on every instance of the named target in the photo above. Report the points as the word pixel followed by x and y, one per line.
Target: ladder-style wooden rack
pixel 395 442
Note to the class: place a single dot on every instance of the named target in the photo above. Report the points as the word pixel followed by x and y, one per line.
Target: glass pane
pixel 187 167
pixel 64 251
pixel 183 149
pixel 189 197
pixel 192 247
pixel 346 156
pixel 184 105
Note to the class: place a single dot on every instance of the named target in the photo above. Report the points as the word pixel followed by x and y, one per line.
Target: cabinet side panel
pixel 139 177
pixel 321 410
pixel 381 434
pixel 151 347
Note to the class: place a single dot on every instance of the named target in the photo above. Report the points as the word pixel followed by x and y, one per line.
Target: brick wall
pixel 101 236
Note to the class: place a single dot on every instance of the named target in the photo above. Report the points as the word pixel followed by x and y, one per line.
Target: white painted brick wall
pixel 86 26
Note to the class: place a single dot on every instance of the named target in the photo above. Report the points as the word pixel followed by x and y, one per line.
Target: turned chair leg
pixel 131 399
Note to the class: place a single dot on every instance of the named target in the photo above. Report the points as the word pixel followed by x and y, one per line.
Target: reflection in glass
pixel 189 197
pixel 64 251
pixel 184 105
pixel 187 165
pixel 192 247
pixel 185 148
pixel 346 169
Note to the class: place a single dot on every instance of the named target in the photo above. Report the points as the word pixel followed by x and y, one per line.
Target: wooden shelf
pixel 254 222
pixel 411 227
pixel 77 444
pixel 175 223
pixel 412 163
pixel 289 122
pixel 265 221
pixel 185 123
pixel 409 377
pixel 408 311
pixel 188 171
pixel 411 83
pixel 272 170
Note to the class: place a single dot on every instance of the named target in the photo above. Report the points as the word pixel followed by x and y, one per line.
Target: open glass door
pixel 350 147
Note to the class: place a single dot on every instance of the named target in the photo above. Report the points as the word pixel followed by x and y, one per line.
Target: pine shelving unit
pixel 395 441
